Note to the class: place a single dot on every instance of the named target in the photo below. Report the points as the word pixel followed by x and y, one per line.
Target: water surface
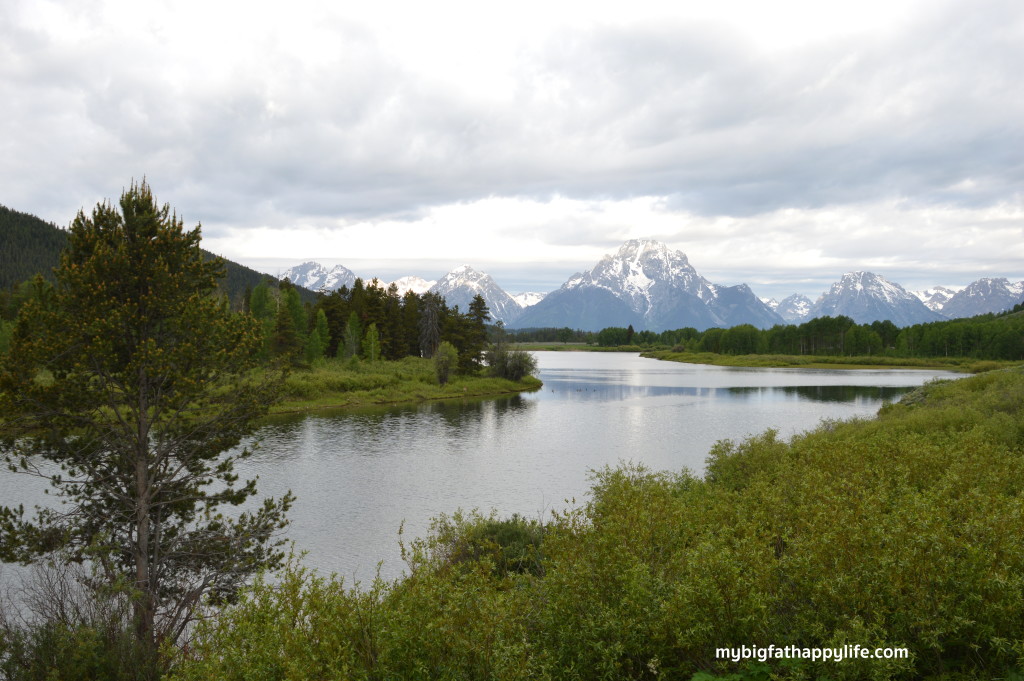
pixel 359 475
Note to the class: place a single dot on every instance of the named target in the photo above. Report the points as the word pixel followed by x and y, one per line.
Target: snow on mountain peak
pixel 315 277
pixel 417 285
pixel 867 297
pixel 459 286
pixel 529 298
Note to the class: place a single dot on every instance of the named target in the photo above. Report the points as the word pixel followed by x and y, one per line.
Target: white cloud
pixel 791 137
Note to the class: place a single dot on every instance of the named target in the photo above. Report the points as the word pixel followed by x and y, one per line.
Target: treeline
pixel 989 336
pixel 368 321
pixel 551 335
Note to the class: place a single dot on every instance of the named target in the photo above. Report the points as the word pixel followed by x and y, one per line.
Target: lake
pixel 359 475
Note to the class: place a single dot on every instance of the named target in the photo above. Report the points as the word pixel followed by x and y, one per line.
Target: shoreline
pixel 959 364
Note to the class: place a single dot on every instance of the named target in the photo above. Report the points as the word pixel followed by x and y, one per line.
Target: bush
pixel 446 358
pixel 510 545
pixel 70 630
pixel 515 365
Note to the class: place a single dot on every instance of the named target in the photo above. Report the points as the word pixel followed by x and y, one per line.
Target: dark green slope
pixel 28 246
pixel 31 246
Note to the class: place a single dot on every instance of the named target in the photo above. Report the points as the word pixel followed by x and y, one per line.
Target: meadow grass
pixel 333 383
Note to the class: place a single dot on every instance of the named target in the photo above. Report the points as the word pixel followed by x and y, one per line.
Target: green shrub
pixel 514 365
pixel 901 531
pixel 446 359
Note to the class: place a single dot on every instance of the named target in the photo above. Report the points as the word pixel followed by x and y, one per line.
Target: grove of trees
pixel 367 321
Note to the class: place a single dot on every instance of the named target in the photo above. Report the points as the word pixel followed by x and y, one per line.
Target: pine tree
pixel 322 331
pixel 130 378
pixel 431 310
pixel 353 336
pixel 371 344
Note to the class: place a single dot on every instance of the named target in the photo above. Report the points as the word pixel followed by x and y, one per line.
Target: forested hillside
pixel 28 246
pixel 31 246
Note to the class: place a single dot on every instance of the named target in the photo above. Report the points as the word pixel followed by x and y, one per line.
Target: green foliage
pixel 513 365
pixel 903 531
pixel 551 335
pixel 335 383
pixel 6 332
pixel 446 359
pixel 28 246
pixel 322 331
pixel 72 627
pixel 991 337
pixel 353 336
pixel 371 344
pixel 508 546
pixel 53 650
pixel 146 386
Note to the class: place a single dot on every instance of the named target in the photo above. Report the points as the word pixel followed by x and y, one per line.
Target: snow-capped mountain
pixel 316 277
pixel 417 285
pixel 936 297
pixel 527 299
pixel 984 295
pixel 795 308
pixel 866 297
pixel 651 287
pixel 639 269
pixel 460 285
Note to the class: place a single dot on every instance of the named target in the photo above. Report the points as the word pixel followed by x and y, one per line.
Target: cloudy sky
pixel 778 144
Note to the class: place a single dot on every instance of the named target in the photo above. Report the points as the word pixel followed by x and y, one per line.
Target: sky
pixel 776 144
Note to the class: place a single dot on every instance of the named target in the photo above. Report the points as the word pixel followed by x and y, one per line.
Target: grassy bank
pixel 345 383
pixel 962 364
pixel 900 532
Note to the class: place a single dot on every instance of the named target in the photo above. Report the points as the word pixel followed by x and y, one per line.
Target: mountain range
pixel 647 285
pixel 984 295
pixel 644 284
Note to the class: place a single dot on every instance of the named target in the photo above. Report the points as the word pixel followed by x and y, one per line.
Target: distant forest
pixel 987 336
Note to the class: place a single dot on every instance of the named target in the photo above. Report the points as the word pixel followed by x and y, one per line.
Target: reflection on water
pixel 359 475
pixel 816 393
pixel 828 393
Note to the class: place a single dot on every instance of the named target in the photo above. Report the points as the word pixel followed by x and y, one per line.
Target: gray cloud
pixel 930 115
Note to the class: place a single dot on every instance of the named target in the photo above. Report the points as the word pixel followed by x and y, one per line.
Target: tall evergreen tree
pixel 130 378
pixel 353 336
pixel 431 309
pixel 371 344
